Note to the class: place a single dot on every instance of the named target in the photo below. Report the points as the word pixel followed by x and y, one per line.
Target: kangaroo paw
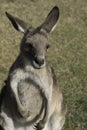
pixel 39 126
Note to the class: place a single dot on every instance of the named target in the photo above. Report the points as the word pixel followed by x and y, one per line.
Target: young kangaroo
pixel 31 98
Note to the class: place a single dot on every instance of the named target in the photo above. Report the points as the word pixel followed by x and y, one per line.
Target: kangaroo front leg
pixel 22 110
pixel 6 122
pixel 41 124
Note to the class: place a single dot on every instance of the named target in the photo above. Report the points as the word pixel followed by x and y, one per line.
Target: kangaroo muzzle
pixel 39 62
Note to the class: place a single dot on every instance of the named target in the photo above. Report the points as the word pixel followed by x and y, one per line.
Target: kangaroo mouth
pixel 38 66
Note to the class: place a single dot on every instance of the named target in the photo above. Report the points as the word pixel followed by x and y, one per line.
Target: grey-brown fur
pixel 31 97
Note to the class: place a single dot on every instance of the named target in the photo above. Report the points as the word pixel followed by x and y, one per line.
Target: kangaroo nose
pixel 39 61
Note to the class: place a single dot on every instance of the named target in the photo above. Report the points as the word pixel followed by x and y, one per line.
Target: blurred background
pixel 67 55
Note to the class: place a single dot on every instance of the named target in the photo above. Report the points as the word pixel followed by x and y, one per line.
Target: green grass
pixel 68 52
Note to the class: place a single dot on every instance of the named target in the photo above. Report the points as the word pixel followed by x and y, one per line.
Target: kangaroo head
pixel 35 42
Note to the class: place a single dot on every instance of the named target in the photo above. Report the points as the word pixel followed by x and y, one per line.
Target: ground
pixel 67 55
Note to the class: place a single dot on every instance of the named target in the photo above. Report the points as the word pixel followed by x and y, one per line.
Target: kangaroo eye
pixel 47 46
pixel 29 45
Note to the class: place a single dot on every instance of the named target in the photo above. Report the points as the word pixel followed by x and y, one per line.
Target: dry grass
pixel 68 53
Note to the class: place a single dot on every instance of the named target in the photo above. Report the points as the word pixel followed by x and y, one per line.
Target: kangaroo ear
pixel 17 23
pixel 51 20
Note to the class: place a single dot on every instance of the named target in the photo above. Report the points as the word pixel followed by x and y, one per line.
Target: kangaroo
pixel 31 98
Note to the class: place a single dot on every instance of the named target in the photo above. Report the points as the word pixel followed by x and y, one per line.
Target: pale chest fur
pixel 27 85
pixel 40 76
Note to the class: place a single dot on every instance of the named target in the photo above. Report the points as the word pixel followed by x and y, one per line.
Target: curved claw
pixel 35 127
pixel 39 126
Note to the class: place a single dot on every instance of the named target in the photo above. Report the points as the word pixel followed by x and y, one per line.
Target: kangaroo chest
pixel 30 87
